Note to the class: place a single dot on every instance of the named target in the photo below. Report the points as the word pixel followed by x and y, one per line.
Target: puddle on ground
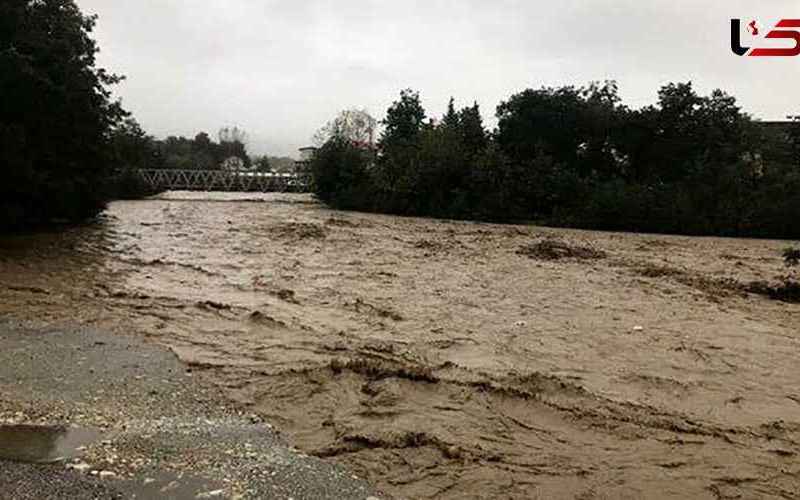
pixel 43 444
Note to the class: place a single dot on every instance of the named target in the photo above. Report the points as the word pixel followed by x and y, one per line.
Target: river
pixel 444 359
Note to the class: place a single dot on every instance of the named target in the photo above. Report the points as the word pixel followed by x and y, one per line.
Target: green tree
pixel 472 130
pixel 262 164
pixel 544 121
pixel 206 154
pixel 451 120
pixel 233 143
pixel 573 125
pixel 130 149
pixel 794 138
pixel 404 121
pixel 56 114
pixel 340 172
pixel 397 174
pixel 355 125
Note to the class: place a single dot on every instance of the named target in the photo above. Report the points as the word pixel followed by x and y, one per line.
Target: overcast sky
pixel 281 69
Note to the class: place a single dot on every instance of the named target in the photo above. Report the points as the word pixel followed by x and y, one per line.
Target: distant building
pixel 306 155
pixel 233 163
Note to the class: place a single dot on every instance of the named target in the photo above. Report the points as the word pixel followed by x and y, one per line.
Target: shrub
pixel 791 256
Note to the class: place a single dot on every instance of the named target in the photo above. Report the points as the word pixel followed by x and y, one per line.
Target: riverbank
pixel 151 427
pixel 442 359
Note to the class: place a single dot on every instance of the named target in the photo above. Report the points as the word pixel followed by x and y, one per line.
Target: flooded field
pixel 447 359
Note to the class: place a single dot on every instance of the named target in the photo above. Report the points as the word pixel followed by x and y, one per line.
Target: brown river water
pixel 446 359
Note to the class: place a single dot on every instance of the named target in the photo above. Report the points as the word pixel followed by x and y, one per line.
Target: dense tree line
pixel 131 149
pixel 201 152
pixel 577 156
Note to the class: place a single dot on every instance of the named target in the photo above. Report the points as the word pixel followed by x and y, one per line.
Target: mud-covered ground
pixel 451 359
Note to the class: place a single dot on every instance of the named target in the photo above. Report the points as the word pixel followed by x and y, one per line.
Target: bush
pixel 791 256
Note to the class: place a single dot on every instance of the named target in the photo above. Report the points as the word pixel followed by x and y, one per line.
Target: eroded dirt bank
pixel 450 359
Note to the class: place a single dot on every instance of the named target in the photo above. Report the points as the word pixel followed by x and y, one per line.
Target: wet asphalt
pixel 152 428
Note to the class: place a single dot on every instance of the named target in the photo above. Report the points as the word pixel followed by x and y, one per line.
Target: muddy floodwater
pixel 445 359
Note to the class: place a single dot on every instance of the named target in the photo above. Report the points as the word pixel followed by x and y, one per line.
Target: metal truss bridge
pixel 224 180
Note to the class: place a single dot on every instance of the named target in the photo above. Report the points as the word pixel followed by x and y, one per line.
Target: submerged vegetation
pixel 788 290
pixel 791 256
pixel 577 156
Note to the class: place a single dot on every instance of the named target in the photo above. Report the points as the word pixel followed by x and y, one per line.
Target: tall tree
pixel 541 122
pixel 233 144
pixel 404 120
pixel 56 113
pixel 354 125
pixel 451 119
pixel 131 148
pixel 262 164
pixel 473 133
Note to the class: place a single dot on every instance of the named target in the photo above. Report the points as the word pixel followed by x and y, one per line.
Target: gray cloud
pixel 280 69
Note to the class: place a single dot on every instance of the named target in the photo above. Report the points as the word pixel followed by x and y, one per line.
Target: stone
pixel 79 466
pixel 211 494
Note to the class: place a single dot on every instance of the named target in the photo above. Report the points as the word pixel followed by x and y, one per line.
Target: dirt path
pixel 455 360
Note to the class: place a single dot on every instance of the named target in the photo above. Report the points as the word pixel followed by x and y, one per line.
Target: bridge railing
pixel 224 180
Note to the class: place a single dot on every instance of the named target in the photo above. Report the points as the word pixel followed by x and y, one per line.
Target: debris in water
pixel 299 231
pixel 210 304
pixel 553 249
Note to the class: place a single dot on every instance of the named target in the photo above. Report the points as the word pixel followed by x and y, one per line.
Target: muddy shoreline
pixel 444 359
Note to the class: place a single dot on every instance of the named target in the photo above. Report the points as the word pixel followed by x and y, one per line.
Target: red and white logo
pixel 788 29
